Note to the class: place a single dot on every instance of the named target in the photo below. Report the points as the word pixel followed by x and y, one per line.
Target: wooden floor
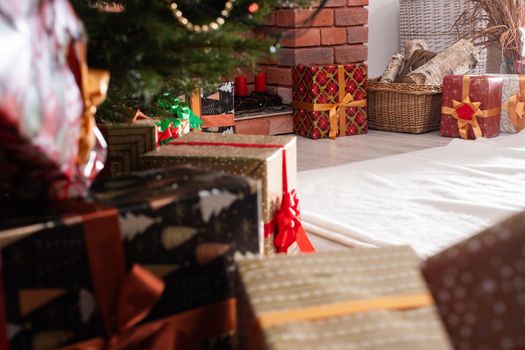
pixel 314 154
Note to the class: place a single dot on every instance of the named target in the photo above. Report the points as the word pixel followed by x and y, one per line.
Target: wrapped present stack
pixel 270 159
pixel 204 247
pixel 155 248
pixel 470 296
pixel 330 100
pixel 482 105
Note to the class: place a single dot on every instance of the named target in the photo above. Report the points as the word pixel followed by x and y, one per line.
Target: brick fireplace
pixel 338 34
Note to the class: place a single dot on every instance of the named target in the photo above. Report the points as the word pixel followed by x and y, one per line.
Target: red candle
pixel 260 82
pixel 241 86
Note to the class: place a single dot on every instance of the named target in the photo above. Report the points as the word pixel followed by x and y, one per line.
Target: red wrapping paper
pixel 320 85
pixel 481 89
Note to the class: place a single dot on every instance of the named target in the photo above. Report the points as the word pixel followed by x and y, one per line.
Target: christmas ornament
pixel 254 7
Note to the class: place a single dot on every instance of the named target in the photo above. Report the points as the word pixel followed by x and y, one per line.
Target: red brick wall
pixel 338 34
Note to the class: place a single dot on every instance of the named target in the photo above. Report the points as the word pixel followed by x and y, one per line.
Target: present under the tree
pixel 172 118
pixel 363 298
pixel 154 249
pixel 126 143
pixel 270 159
pixel 471 106
pixel 216 107
pixel 479 287
pixel 330 100
pixel 513 103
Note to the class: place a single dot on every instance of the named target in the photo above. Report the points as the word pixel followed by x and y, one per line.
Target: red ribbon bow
pixel 171 132
pixel 288 222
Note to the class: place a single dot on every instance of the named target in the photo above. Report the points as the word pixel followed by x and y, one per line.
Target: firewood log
pixel 413 45
pixel 393 67
pixel 459 58
pixel 419 58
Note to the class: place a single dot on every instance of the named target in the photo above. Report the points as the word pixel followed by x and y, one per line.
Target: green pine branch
pixel 147 51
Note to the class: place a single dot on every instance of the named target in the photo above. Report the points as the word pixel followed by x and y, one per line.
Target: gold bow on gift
pixel 337 110
pixel 94 86
pixel 516 107
pixel 467 112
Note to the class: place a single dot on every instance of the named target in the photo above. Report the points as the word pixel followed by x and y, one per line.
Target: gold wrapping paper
pixel 377 282
pixel 258 163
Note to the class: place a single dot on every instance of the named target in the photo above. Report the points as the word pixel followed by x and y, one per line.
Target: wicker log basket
pixel 433 21
pixel 401 107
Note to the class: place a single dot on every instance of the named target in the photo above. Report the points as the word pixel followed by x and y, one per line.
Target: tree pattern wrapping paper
pixel 479 288
pixel 319 84
pixel 175 223
pixel 263 164
pixel 216 107
pixel 486 90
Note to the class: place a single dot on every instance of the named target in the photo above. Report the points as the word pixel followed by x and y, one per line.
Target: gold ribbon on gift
pixel 516 106
pixel 390 302
pixel 94 86
pixel 402 302
pixel 473 110
pixel 337 110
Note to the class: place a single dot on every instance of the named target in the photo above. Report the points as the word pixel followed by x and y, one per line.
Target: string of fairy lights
pixel 213 25
pixel 228 7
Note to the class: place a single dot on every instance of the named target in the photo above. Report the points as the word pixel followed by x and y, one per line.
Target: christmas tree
pixel 151 46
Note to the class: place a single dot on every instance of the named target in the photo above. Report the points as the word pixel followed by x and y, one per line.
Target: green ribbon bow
pixel 177 111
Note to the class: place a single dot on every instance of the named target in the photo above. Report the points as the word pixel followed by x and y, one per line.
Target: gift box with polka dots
pixel 479 288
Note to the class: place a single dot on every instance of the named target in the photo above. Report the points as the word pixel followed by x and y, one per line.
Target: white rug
pixel 428 199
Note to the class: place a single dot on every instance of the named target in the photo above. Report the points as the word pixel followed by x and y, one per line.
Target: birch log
pixel 393 67
pixel 456 59
pixel 419 58
pixel 412 46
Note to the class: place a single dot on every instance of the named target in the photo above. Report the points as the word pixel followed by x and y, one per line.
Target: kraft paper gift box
pixel 160 244
pixel 259 157
pixel 512 103
pixel 357 299
pixel 330 100
pixel 471 106
pixel 479 288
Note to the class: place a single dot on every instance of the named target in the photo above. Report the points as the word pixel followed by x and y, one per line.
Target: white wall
pixel 383 34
